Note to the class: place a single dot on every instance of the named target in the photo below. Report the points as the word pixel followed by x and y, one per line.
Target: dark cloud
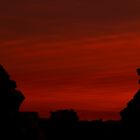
pixel 75 19
pixel 62 19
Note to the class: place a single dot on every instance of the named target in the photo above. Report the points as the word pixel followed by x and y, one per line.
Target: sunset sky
pixel 79 54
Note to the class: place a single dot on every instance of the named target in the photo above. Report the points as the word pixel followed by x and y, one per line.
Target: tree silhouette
pixel 10 101
pixel 131 113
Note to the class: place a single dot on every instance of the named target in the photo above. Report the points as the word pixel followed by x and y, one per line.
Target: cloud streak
pixel 80 54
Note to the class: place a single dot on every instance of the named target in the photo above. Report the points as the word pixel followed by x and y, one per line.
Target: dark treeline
pixel 62 124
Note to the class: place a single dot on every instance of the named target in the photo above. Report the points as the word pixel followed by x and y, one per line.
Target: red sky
pixel 72 54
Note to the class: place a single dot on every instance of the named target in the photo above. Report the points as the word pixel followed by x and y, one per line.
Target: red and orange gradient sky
pixel 79 54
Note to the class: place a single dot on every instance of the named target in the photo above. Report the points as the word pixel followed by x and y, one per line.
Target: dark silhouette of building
pixel 29 123
pixel 64 116
pixel 62 124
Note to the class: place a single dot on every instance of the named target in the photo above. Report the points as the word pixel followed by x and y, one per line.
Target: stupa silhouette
pixel 131 113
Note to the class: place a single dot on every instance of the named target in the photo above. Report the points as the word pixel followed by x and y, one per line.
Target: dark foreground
pixel 63 124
